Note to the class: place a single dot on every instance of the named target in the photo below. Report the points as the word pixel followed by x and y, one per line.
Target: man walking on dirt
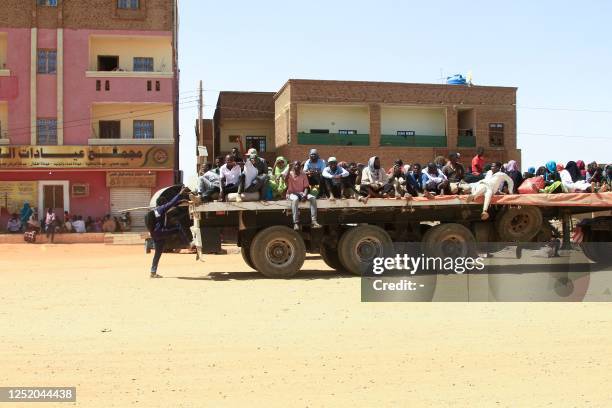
pixel 161 232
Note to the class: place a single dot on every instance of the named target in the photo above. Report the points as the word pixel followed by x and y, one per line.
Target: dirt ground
pixel 216 334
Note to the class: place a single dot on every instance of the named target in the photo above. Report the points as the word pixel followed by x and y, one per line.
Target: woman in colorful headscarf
pixel 582 168
pixel 25 214
pixel 553 181
pixel 277 181
pixel 531 172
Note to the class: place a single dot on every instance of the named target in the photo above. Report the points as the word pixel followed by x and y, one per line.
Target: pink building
pixel 88 104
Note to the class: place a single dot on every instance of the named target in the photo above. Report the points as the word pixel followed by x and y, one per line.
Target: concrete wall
pixel 126 48
pixel 3 49
pixel 80 91
pixel 3 119
pixel 161 114
pixel 333 117
pixel 422 121
pixel 97 204
pixel 245 128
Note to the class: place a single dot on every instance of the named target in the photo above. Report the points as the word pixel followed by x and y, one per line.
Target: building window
pixel 49 3
pixel 143 64
pixel 496 134
pixel 110 129
pixel 319 131
pixel 47 60
pixel 256 142
pixel 128 4
pixel 108 63
pixel 347 132
pixel 157 86
pixel 46 131
pixel 405 133
pixel 143 129
pixel 149 85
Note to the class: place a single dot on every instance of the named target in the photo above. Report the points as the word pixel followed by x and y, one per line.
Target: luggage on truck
pixel 532 185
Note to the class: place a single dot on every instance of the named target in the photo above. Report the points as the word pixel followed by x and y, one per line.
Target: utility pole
pixel 200 125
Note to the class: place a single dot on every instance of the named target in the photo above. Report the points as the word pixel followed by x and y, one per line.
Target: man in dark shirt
pixel 161 231
pixel 454 172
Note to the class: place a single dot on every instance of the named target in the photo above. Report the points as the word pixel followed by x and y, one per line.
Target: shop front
pixel 91 181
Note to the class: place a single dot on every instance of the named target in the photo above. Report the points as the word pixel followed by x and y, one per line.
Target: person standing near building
pixel 50 224
pixel 161 231
pixel 24 215
pixel 298 190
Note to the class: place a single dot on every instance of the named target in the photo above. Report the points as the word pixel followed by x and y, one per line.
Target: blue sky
pixel 558 53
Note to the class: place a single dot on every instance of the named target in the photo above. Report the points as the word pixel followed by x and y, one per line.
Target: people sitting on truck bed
pixel 254 176
pixel 336 179
pixel 313 167
pixel 374 181
pixel 230 176
pixel 209 183
pixel 277 183
pixel 492 184
pixel 434 181
pixel 298 190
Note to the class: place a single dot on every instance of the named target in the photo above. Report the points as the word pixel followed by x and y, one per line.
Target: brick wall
pixel 154 15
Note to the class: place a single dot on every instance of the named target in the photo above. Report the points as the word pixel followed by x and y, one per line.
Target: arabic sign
pixel 130 179
pixel 83 157
pixel 14 193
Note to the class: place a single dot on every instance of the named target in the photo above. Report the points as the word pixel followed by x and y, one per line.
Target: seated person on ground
pixel 298 190
pixel 313 167
pixel 13 225
pixel 79 225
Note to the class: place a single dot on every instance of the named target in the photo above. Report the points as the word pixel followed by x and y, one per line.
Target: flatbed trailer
pixel 354 233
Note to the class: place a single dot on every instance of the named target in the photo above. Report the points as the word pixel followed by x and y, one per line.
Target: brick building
pixel 416 122
pixel 88 103
pixel 244 119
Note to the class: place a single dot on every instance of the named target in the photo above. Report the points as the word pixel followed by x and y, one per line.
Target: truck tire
pixel 277 252
pixel 246 256
pixel 519 224
pixel 597 247
pixel 449 240
pixel 360 245
pixel 330 257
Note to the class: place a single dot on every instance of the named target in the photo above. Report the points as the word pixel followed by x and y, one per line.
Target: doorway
pixel 53 194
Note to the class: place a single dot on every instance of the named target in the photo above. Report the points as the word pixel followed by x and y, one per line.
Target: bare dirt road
pixel 216 334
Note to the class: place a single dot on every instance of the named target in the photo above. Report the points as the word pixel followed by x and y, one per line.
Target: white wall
pixel 423 121
pixel 126 48
pixel 244 128
pixel 333 118
pixel 127 113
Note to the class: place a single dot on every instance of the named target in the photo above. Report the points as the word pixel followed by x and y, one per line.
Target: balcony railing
pixel 333 139
pixel 466 141
pixel 413 141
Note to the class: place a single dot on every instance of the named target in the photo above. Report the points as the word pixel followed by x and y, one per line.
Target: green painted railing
pixel 466 141
pixel 333 139
pixel 413 141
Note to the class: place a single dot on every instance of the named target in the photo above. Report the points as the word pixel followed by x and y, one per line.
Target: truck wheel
pixel 246 256
pixel 360 245
pixel 278 252
pixel 449 240
pixel 519 224
pixel 597 248
pixel 330 257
